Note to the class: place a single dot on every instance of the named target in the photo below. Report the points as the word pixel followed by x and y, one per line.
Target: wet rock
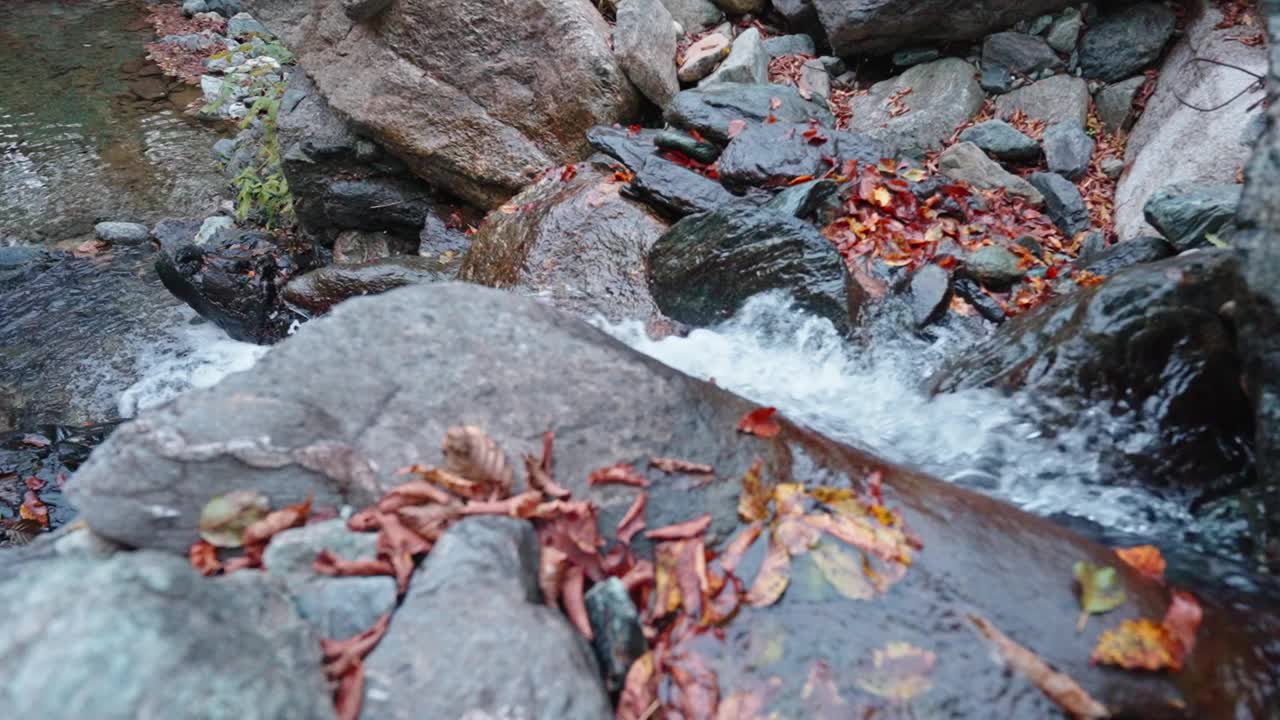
pixel 807 200
pixel 699 150
pixel 364 9
pixel 910 57
pixel 1022 53
pixel 122 622
pixel 710 109
pixel 358 246
pixel 121 233
pixel 645 45
pixel 40 460
pixel 801 17
pixel 798 44
pixel 694 15
pixel 1068 150
pixel 702 57
pixel 966 162
pixel 1065 31
pixel 632 149
pixel 1062 202
pixel 461 642
pixel 1056 99
pixel 578 243
pixel 455 113
pixel 210 227
pixel 996 79
pixel 994 267
pixel 1186 217
pixel 706 266
pixel 316 292
pixel 619 640
pixel 677 190
pixel 1126 41
pixel 747 62
pixel 929 293
pixel 1126 254
pixel 999 139
pixel 943 95
pixel 1115 102
pixel 741 7
pixel 21 263
pixel 876 26
pixel 775 153
pixel 442 240
pixel 971 291
pixel 148 88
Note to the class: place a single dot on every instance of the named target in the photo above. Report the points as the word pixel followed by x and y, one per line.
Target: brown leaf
pixel 633 520
pixel 666 584
pixel 33 509
pixel 681 531
pixel 429 521
pixel 414 492
pixel 640 690
pixel 696 691
pixel 642 573
pixel 539 479
pixel 685 467
pixel 1058 687
pixel 760 422
pixel 452 482
pixel 521 506
pixel 753 501
pixel 341 655
pixel 617 474
pixel 574 600
pixel 326 563
pixel 738 546
pixel 348 696
pixel 774 576
pixel 551 570
pixel 260 532
pixel 471 453
pixel 204 558
pixel 224 519
pixel 1146 559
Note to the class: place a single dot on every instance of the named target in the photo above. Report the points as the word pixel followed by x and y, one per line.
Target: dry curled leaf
pixel 632 521
pixel 326 563
pixel 640 690
pixel 685 467
pixel 1058 687
pixel 224 519
pixel 774 576
pixel 899 671
pixel 523 506
pixel 753 501
pixel 1100 590
pixel 1138 645
pixel 738 546
pixel 414 492
pixel 204 558
pixel 1146 559
pixel 681 531
pixel 471 453
pixel 618 474
pixel 34 509
pixel 1182 620
pixel 539 478
pixel 572 597
pixel 260 532
pixel 760 422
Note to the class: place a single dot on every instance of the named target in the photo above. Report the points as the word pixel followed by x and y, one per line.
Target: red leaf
pixel 342 655
pixel 760 422
pixel 326 563
pixel 681 531
pixel 633 521
pixel 348 696
pixel 414 492
pixel 1182 620
pixel 521 506
pixel 738 546
pixel 34 483
pixel 204 558
pixel 619 474
pixel 575 604
pixel 633 129
pixel 696 136
pixel 33 508
pixel 569 173
pixel 540 480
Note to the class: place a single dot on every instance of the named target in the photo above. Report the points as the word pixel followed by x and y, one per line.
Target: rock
pixel 193 7
pixel 999 139
pixel 747 62
pixel 699 150
pixel 461 642
pixel 359 246
pixel 123 621
pixel 225 8
pixel 798 44
pixel 364 9
pixel 484 101
pixel 577 243
pixel 801 17
pixel 242 25
pixel 1112 167
pixel 1126 254
pixel 710 109
pixel 929 293
pixel 121 233
pixel 741 7
pixel 210 227
pixel 318 291
pixel 706 266
pixel 1125 41
pixel 878 26
pixel 996 79
pixel 994 267
pixel 807 199
pixel 702 57
pixel 1175 144
pixel 149 88
pixel 943 95
pixel 442 241
pixel 971 291
pixel 694 15
pixel 645 46
pixel 1065 31
pixel 632 149
pixel 1092 244
pixel 1116 344
pixel 677 190
pixel 1062 202
pixel 1021 53
pixel 619 640
pixel 780 152
pixel 910 57
pixel 507 364
pixel 1115 102
pixel 1186 217
pixel 1057 99
pixel 1068 150
pixel 815 79
pixel 286 19
pixel 965 162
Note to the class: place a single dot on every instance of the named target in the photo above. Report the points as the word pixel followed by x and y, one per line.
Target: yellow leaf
pixel 1138 645
pixel 844 570
pixel 880 196
pixel 753 501
pixel 1100 590
pixel 774 576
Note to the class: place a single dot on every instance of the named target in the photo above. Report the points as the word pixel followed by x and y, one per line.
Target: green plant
pixel 262 192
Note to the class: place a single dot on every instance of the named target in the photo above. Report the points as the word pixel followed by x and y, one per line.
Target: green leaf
pixel 1100 590
pixel 1216 241
pixel 844 569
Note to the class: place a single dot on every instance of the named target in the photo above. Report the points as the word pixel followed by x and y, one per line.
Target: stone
pixel 965 162
pixel 121 233
pixel 619 640
pixel 1065 31
pixel 877 26
pixel 807 200
pixel 1062 202
pixel 645 46
pixel 358 246
pixel 460 644
pixel 706 266
pixel 710 109
pixel 286 19
pixel 1126 254
pixel 210 227
pixel 244 651
pixel 797 44
pixel 1187 216
pixel 316 292
pixel 994 267
pixel 694 15
pixel 780 152
pixel 801 17
pixel 678 191
pixel 1112 167
pixel 193 7
pixel 944 94
pixel 702 57
pixel 741 7
pixel 359 10
pixel 1068 150
pixel 971 292
pixel 149 88
pixel 1022 53
pixel 225 8
pixel 999 139
pixel 700 150
pixel 1125 41
pixel 1054 100
pixel 578 244
pixel 912 56
pixel 632 149
pixel 243 25
pixel 1115 102
pixel 815 79
pixel 996 79
pixel 450 102
pixel 747 62
pixel 929 294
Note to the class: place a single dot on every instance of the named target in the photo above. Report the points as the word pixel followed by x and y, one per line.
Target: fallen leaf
pixel 672 465
pixel 569 173
pixel 796 535
pixel 681 531
pixel 471 453
pixel 844 571
pixel 753 501
pixel 521 506
pixel 899 671
pixel 224 519
pixel 89 248
pixel 348 696
pixel 1058 687
pixel 35 440
pixel 1146 559
pixel 261 531
pixel 696 690
pixel 341 655
pixel 632 521
pixel 573 599
pixel 429 521
pixel 821 696
pixel 1138 645
pixel 617 474
pixel 34 483
pixel 326 563
pixel 639 698
pixel 540 479
pixel 880 196
pixel 551 570
pixel 774 576
pixel 736 127
pixel 204 558
pixel 1100 590
pixel 760 422
pixel 34 509
pixel 414 492
pixel 1182 620
pixel 739 545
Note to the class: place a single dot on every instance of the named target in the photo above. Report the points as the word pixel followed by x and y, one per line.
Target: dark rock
pixel 747 62
pixel 225 8
pixel 1068 150
pixel 644 42
pixel 351 247
pixel 877 26
pixel 706 266
pixel 971 291
pixel 1001 140
pixel 996 79
pixel 441 240
pixel 1062 201
pixel 700 150
pixel 1115 102
pixel 1021 53
pixel 1030 244
pixel 461 643
pixel 1065 31
pixel 1125 254
pixel 1057 99
pixel 910 57
pixel 775 153
pixel 1092 244
pixel 798 44
pixel 631 149
pixel 807 200
pixel 1125 41
pixel 316 292
pixel 619 640
pixel 965 162
pixel 710 109
pixel 364 9
pixel 148 88
pixel 944 94
pixel 802 17
pixel 121 233
pixel 1188 216
pixel 20 263
pixel 929 293
pixel 677 190
pixel 994 267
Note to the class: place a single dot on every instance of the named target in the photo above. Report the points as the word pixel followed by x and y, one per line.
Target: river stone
pixel 702 57
pixel 143 635
pixel 912 56
pixel 928 294
pixel 694 15
pixel 1125 41
pixel 210 227
pixel 878 26
pixel 1186 217
pixel 678 191
pixel 797 44
pixel 454 352
pixel 999 139
pixel 1062 202
pixel 1115 102
pixel 482 102
pixel 996 79
pixel 747 62
pixel 815 78
pixel 1065 31
pixel 645 45
pixel 1068 150
pixel 578 244
pixel 1056 99
pixel 364 9
pixel 710 109
pixel 631 148
pixel 1126 254
pixel 242 25
pixel 1022 53
pixel 699 150
pixel 944 95
pixel 1112 167
pixel 971 291
pixel 807 199
pixel 994 267
pixel 316 292
pixel 619 639
pixel 780 152
pixel 461 643
pixel 706 266
pixel 121 233
pixel 965 162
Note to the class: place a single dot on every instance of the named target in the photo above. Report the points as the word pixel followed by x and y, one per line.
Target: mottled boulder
pixel 1126 41
pixel 965 162
pixel 1186 217
pixel 710 109
pixel 944 94
pixel 316 292
pixel 644 41
pixel 1056 99
pixel 878 26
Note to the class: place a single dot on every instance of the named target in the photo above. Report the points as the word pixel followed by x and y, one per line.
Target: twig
pixel 1258 84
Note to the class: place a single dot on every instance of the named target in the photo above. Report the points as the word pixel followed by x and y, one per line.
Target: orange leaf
pixel 773 578
pixel 575 604
pixel 521 506
pixel 1182 620
pixel 261 531
pixel 34 509
pixel 739 545
pixel 633 521
pixel 753 501
pixel 681 531
pixel 640 690
pixel 326 563
pixel 672 465
pixel 539 478
pixel 204 558
pixel 1138 645
pixel 1146 559
pixel 760 422
pixel 618 474
pixel 414 492
pixel 1058 687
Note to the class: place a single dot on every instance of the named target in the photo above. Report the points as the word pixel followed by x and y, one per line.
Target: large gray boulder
pixel 1126 41
pixel 644 41
pixel 473 100
pixel 938 97
pixel 879 26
